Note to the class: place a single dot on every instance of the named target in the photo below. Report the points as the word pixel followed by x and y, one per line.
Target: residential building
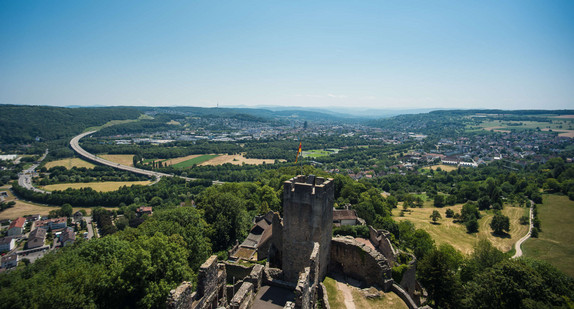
pixel 78 216
pixel 345 217
pixel 10 261
pixel 17 227
pixel 53 224
pixel 144 210
pixel 68 237
pixel 36 239
pixel 7 244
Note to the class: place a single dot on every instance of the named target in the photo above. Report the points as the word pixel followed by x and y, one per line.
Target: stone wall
pixel 307 218
pixel 243 298
pixel 181 297
pixel 360 262
pixel 211 291
pixel 307 285
pixel 409 281
pixel 380 238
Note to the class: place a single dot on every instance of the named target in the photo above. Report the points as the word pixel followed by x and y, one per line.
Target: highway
pixel 75 143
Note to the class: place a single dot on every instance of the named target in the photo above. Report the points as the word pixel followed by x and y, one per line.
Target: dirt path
pixel 346 291
pixel 523 239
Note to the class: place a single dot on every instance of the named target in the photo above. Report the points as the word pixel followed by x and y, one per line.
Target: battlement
pixel 307 185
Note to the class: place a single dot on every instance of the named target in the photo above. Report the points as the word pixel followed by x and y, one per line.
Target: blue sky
pixel 363 54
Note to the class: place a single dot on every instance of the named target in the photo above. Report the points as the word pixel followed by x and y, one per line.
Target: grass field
pixel 555 244
pixel 69 163
pixel 121 159
pixel 559 124
pixel 195 160
pixel 455 234
pixel 337 299
pixel 23 208
pixel 98 186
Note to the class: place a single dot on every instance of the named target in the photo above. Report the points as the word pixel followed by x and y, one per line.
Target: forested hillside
pixel 30 124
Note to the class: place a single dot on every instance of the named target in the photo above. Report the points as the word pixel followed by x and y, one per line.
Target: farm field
pixel 443 167
pixel 338 291
pixel 98 186
pixel 555 243
pixel 195 160
pixel 559 124
pixel 455 234
pixel 121 159
pixel 69 163
pixel 237 160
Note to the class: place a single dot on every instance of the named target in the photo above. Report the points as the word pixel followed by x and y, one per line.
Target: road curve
pixel 523 239
pixel 75 143
pixel 25 177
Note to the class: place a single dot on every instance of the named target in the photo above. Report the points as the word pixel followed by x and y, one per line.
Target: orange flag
pixel 298 152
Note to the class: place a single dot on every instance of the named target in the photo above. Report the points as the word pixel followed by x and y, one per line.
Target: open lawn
pixel 121 159
pixel 455 234
pixel 69 163
pixel 98 186
pixel 555 243
pixel 338 291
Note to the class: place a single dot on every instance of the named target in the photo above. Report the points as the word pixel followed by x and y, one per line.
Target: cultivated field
pixel 69 163
pixel 339 293
pixel 177 160
pixel 555 244
pixel 455 234
pixel 196 160
pixel 237 160
pixel 443 167
pixel 98 186
pixel 121 159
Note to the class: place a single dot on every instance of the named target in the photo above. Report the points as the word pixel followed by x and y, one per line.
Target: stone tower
pixel 307 218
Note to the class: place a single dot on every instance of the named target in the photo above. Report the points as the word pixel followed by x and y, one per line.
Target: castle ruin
pixel 301 250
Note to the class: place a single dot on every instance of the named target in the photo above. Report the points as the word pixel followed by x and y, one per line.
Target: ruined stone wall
pixel 239 272
pixel 361 262
pixel 243 298
pixel 380 238
pixel 211 291
pixel 307 218
pixel 308 283
pixel 409 280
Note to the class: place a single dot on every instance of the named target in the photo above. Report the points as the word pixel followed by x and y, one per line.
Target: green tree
pixel 66 210
pixel 449 213
pixel 435 216
pixel 439 200
pixel 438 274
pixel 471 226
pixel 500 223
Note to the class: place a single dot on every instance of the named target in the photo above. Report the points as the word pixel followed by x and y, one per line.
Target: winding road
pixel 25 177
pixel 75 143
pixel 523 239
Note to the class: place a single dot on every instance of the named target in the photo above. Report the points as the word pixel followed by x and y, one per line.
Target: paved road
pixel 75 143
pixel 523 239
pixel 89 226
pixel 25 177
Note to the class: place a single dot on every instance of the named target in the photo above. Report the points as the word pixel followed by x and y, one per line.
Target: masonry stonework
pixel 307 218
